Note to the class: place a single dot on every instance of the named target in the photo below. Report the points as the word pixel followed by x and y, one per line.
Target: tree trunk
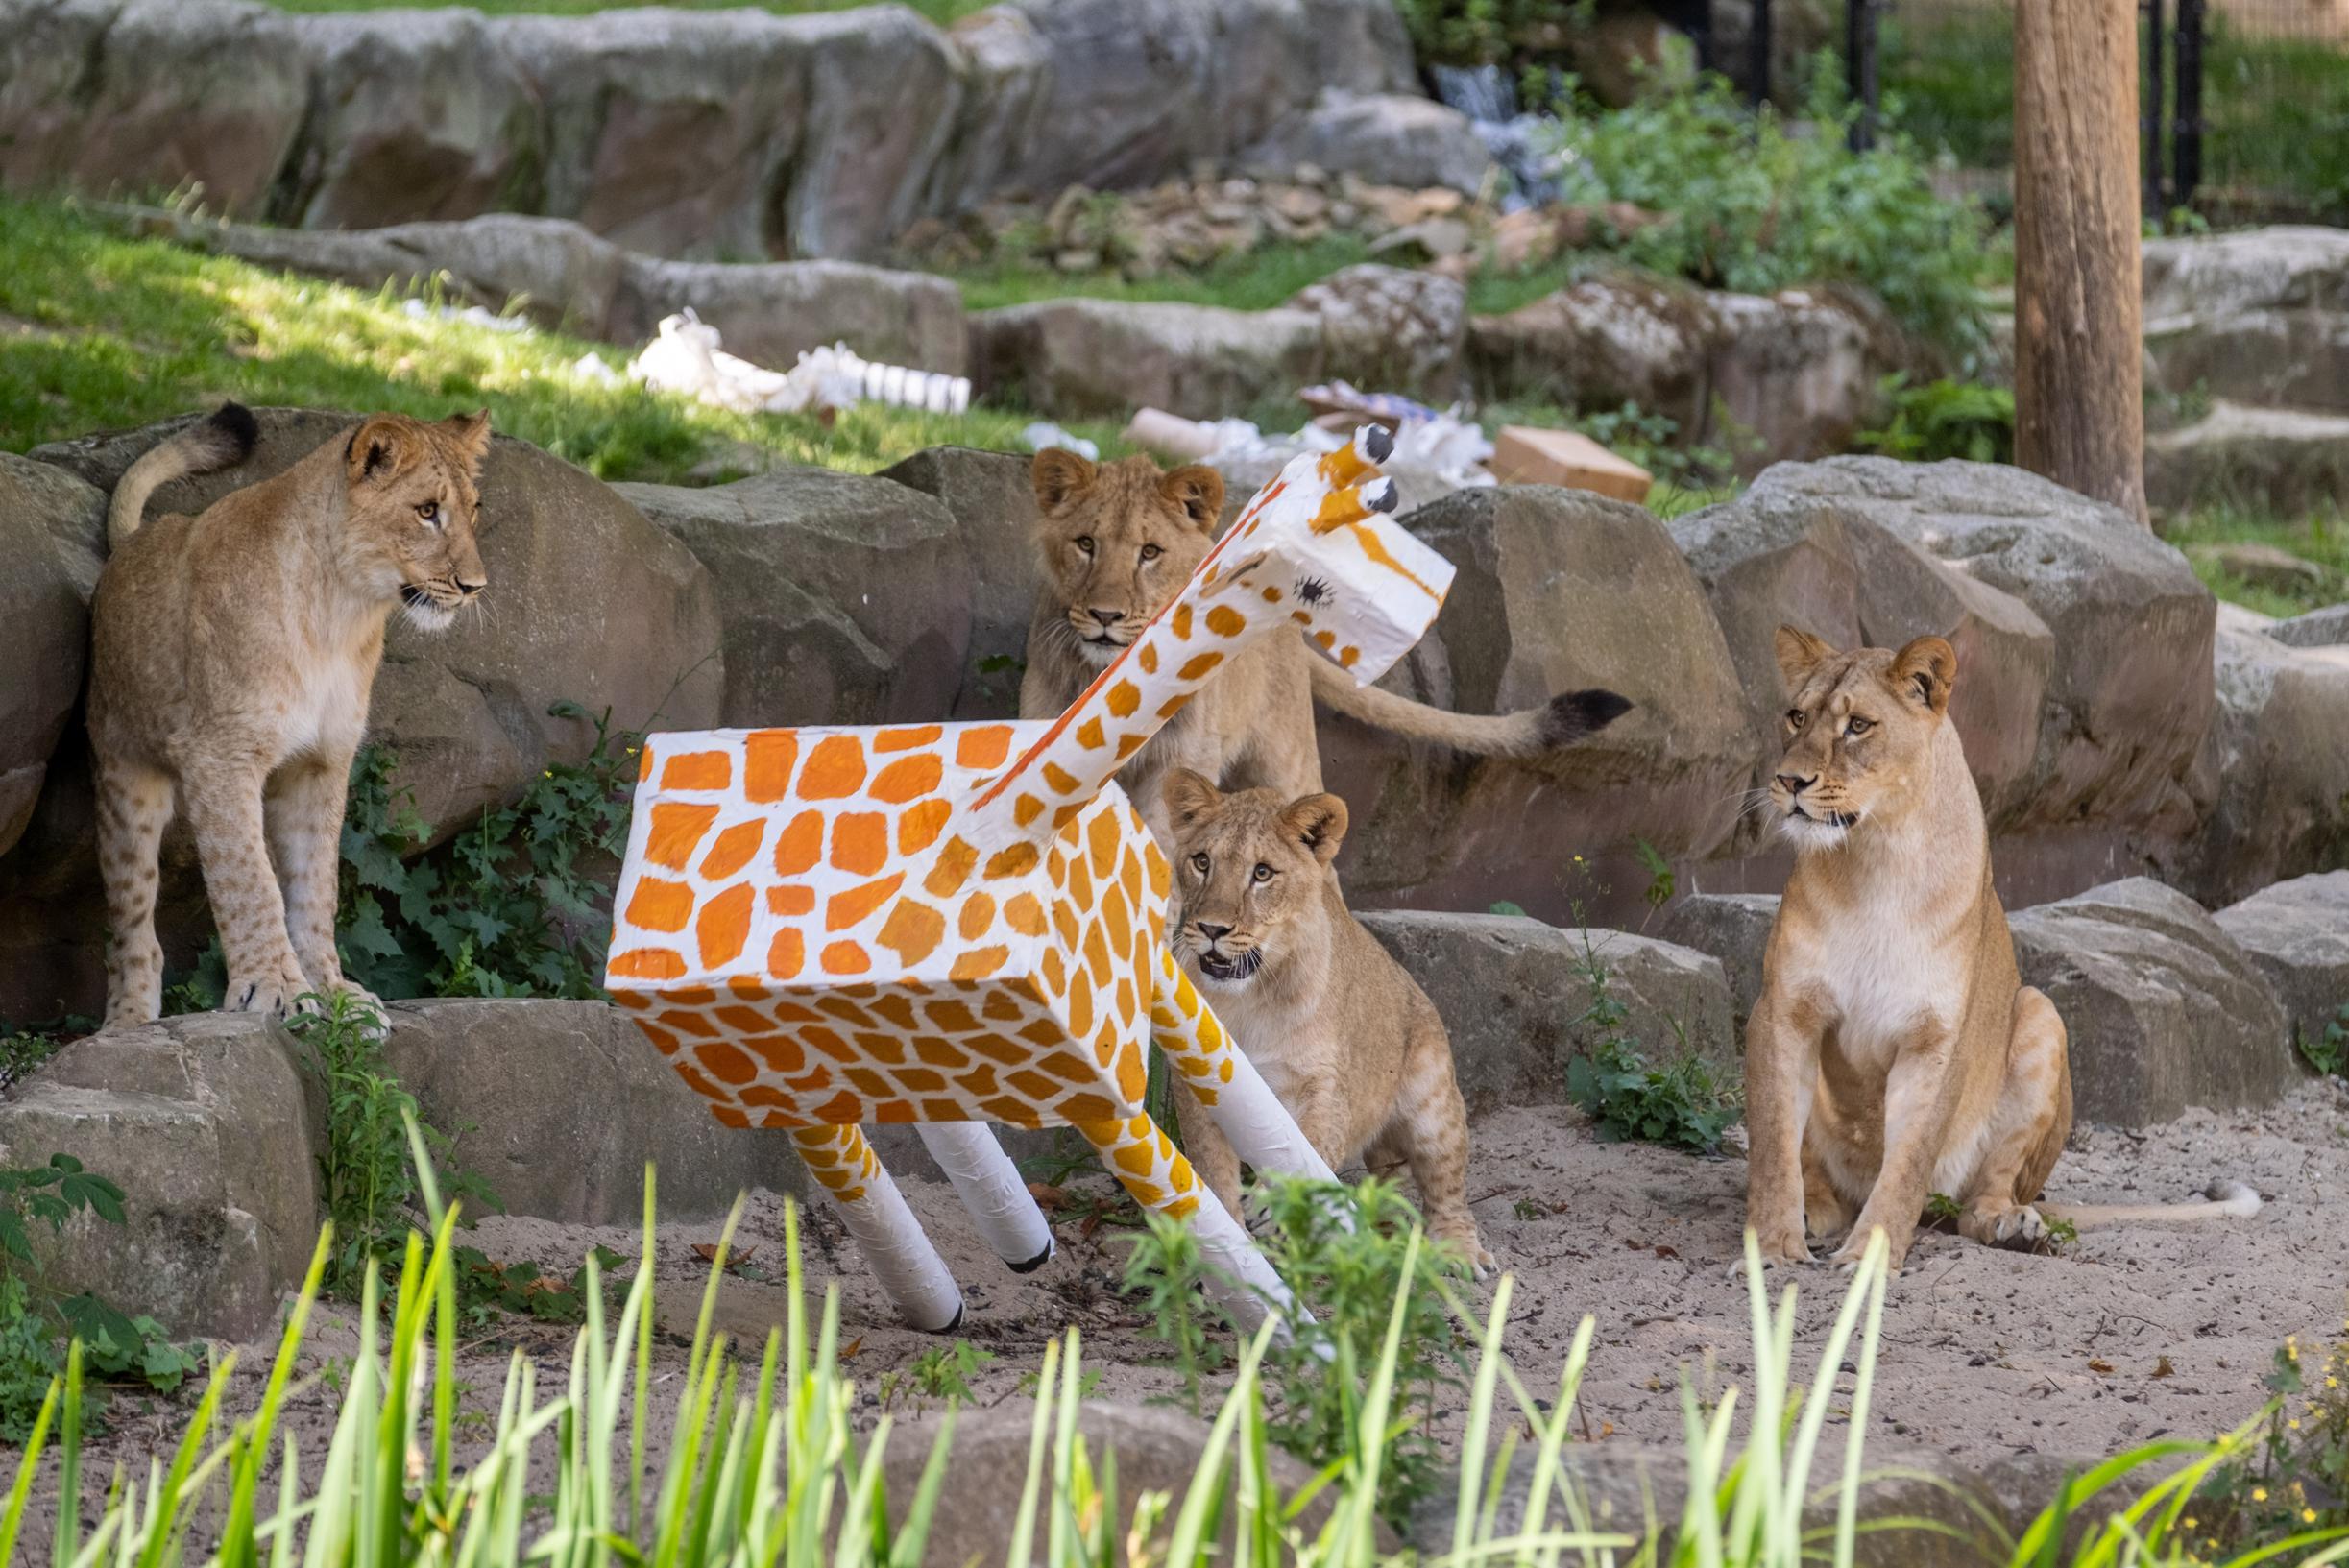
pixel 2079 394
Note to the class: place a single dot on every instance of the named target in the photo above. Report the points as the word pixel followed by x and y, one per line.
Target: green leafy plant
pixel 1943 419
pixel 485 1286
pixel 945 1371
pixel 1661 883
pixel 2328 1052
pixel 1681 1104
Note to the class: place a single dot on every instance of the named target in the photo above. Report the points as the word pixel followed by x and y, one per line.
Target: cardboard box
pixel 1522 455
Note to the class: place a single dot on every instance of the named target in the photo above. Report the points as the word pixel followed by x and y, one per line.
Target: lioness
pixel 1895 1052
pixel 1347 1040
pixel 1117 543
pixel 231 658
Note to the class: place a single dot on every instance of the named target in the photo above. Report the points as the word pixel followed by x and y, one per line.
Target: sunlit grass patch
pixel 2321 536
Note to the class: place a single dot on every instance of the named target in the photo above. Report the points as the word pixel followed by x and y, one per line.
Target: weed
pixel 945 1371
pixel 25 1047
pixel 1165 1275
pixel 1943 419
pixel 2298 1478
pixel 1525 1208
pixel 1941 1209
pixel 1681 1104
pixel 2061 1232
pixel 485 1286
pixel 1661 880
pixel 2328 1052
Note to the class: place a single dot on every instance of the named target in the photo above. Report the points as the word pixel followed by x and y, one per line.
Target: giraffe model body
pixel 951 925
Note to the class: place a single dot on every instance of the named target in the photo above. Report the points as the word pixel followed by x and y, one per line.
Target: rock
pixel 149 96
pixel 2164 1009
pixel 2277 762
pixel 1388 138
pixel 413 115
pixel 43 608
pixel 2283 458
pixel 771 313
pixel 2258 317
pixel 208 1125
pixel 883 90
pixel 1773 557
pixel 1004 113
pixel 2126 706
pixel 2324 628
pixel 1389 329
pixel 1556 590
pixel 1513 993
pixel 2262 565
pixel 1596 346
pixel 1142 87
pixel 1430 239
pixel 1734 928
pixel 2298 932
pixel 527 1087
pixel 993 503
pixel 844 599
pixel 1075 357
pixel 589 603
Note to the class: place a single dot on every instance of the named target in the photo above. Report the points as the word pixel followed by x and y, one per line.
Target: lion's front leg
pixel 2033 1117
pixel 1782 1067
pixel 1919 1098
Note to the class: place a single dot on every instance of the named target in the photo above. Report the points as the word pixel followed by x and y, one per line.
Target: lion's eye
pixel 1794 718
pixel 1198 863
pixel 430 512
pixel 1084 544
pixel 1152 552
pixel 1858 726
pixel 1263 872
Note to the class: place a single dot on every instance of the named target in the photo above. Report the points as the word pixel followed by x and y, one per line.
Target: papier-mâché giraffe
pixel 949 925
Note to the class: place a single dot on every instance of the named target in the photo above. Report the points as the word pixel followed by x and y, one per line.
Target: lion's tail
pixel 1560 721
pixel 2224 1200
pixel 228 436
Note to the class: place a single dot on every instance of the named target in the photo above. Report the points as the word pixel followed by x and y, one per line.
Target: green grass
pixel 99 332
pixel 941 11
pixel 2321 536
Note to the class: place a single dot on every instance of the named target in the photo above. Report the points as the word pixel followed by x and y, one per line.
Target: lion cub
pixel 231 658
pixel 1347 1040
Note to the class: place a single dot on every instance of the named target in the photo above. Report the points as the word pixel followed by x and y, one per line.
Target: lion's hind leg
pixel 135 804
pixel 2028 1125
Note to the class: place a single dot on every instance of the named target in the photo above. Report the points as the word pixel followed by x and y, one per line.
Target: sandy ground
pixel 2130 1334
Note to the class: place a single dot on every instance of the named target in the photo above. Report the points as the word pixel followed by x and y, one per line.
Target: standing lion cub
pixel 1347 1040
pixel 231 658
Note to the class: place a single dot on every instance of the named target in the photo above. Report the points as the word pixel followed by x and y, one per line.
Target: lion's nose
pixel 1794 785
pixel 1108 618
pixel 1213 933
pixel 472 585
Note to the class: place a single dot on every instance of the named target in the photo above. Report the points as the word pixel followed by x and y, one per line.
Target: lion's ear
pixel 1317 822
pixel 381 449
pixel 471 434
pixel 1190 799
pixel 1198 489
pixel 1060 476
pixel 1799 655
pixel 1927 669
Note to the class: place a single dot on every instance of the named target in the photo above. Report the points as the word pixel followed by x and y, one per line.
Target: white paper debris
pixel 1044 433
pixel 686 358
pixel 471 315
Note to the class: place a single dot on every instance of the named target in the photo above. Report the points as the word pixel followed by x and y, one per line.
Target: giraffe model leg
pixel 992 1191
pixel 895 1247
pixel 1141 1157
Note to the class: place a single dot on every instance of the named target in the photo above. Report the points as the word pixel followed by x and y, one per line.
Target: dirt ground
pixel 2130 1334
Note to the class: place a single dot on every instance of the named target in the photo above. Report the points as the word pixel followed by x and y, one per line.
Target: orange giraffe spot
pixel 644 765
pixel 1062 781
pixel 1078 886
pixel 872 1083
pixel 676 827
pixel 787 954
pixel 724 926
pixel 1023 914
pixel 1325 638
pixel 895 1112
pixel 912 932
pixel 727 1114
pixel 1133 1075
pixel 1225 622
pixel 1064 921
pixel 841 1110
pixel 952 1017
pixel 1087 1108
pixel 631 998
pixel 1080 1007
pixel 896 1009
pixel 798 845
pixel 1055 974
pixel 919 828
pixel 843 910
pixel 860 842
pixel 790 901
pixel 1018 860
pixel 907 740
pixel 1180 624
pixel 698 770
pixel 659 906
pixel 724 1063
pixel 1032 1085
pixel 978 963
pixel 779 1052
pixel 835 769
pixel 954 868
pixel 1124 698
pixel 1067 815
pixel 1044 1032
pixel 1161 875
pixel 886 1048
pixel 829 1042
pixel 663 1040
pixel 1089 733
pixel 1103 837
pixel 983 747
pixel 1271 594
pixel 937 1052
pixel 767 755
pixel 648 964
pixel 921 1080
pixel 1127 745
pixel 1174 705
pixel 845 958
pixel 1198 668
pixel 1149 659
pixel 908 779
pixel 978 914
pixel 1348 655
pixel 1026 810
pixel 733 851
pixel 1012 1113
pixel 1097 955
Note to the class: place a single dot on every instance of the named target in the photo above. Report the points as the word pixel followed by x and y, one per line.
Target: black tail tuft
pixel 239 431
pixel 1574 715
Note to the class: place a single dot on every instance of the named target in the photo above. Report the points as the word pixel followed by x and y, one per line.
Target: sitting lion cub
pixel 231 658
pixel 1895 1052
pixel 1350 1043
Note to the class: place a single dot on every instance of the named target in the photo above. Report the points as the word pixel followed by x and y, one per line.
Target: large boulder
pixel 771 313
pixel 148 96
pixel 413 115
pixel 846 599
pixel 1597 345
pixel 209 1124
pixel 2283 458
pixel 993 502
pixel 1079 357
pixel 2259 317
pixel 1391 328
pixel 2324 628
pixel 1517 998
pixel 2277 760
pixel 2299 934
pixel 1388 138
pixel 2125 701
pixel 587 603
pixel 1734 928
pixel 43 608
pixel 1556 590
pixel 2164 1009
pixel 527 1088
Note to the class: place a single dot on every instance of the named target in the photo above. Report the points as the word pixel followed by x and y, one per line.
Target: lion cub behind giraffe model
pixel 233 656
pixel 1895 1052
pixel 1346 1039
